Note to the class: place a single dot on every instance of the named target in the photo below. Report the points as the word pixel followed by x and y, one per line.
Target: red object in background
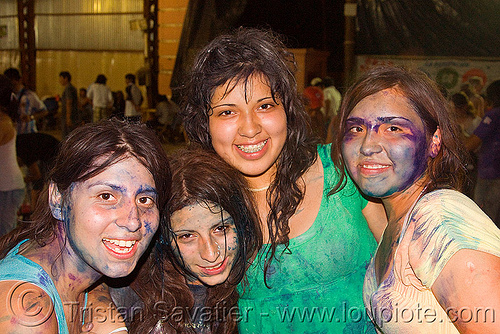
pixel 315 97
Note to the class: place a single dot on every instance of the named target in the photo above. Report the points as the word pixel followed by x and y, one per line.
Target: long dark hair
pixel 447 169
pixel 198 176
pixel 78 160
pixel 233 58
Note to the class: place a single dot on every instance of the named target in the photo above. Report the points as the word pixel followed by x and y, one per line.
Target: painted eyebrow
pixel 107 184
pixel 379 119
pixel 147 190
pixel 391 118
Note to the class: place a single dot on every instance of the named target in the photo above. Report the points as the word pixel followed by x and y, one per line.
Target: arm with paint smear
pixel 26 309
pixel 455 251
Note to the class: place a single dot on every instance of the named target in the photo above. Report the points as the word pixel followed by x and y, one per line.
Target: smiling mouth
pixel 374 166
pixel 215 267
pixel 215 270
pixel 252 148
pixel 119 246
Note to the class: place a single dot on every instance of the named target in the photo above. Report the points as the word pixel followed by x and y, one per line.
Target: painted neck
pixel 397 205
pixel 71 275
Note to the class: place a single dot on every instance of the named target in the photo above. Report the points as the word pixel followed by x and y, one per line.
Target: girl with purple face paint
pixel 96 218
pixel 209 233
pixel 437 265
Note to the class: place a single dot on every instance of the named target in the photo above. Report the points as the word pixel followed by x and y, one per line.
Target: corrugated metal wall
pixel 84 37
pixel 89 25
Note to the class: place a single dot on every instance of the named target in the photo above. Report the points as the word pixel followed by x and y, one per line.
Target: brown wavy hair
pixel 198 176
pixel 447 169
pixel 78 160
pixel 233 58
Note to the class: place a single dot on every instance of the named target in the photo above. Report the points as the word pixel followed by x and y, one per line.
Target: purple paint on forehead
pixel 71 276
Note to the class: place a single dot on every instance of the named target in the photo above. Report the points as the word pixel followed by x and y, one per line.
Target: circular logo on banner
pixel 447 77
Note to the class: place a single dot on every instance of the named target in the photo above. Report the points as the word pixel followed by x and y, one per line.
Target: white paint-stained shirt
pixel 440 224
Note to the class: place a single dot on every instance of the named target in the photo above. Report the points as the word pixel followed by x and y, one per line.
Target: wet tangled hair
pixel 198 176
pixel 85 153
pixel 447 169
pixel 234 58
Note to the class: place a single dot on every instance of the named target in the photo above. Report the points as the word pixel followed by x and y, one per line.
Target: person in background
pixel 241 101
pixel 165 118
pixel 84 106
pixel 118 110
pixel 31 108
pixel 70 116
pixel 476 86
pixel 133 99
pixel 487 137
pixel 468 122
pixel 99 212
pixel 12 188
pixel 36 151
pixel 101 97
pixel 313 100
pixel 439 256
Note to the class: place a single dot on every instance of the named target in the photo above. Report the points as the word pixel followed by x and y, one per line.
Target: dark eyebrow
pixel 265 98
pixel 224 105
pixel 390 118
pixel 224 221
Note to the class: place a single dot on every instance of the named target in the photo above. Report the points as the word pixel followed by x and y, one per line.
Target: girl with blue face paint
pixel 439 251
pixel 96 217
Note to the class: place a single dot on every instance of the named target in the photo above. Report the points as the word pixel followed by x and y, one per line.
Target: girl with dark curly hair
pixel 241 101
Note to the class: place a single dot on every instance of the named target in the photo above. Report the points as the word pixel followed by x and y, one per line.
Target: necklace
pixel 255 190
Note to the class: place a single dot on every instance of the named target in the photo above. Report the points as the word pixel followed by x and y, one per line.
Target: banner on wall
pixel 448 72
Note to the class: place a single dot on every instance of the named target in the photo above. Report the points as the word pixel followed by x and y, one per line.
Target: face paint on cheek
pixel 148 227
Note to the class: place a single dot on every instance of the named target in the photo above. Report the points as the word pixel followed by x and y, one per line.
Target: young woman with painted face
pixel 95 218
pixel 241 101
pixel 208 236
pixel 437 267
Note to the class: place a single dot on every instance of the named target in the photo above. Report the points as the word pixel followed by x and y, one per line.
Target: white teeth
pixel 252 148
pixel 121 243
pixel 374 166
pixel 215 267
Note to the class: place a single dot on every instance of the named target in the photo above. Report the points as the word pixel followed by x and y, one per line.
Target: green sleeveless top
pixel 317 287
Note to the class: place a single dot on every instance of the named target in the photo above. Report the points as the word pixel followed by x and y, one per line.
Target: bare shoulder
pixel 104 315
pixel 7 131
pixel 28 309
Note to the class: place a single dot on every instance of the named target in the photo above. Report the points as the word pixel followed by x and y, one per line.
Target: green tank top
pixel 317 287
